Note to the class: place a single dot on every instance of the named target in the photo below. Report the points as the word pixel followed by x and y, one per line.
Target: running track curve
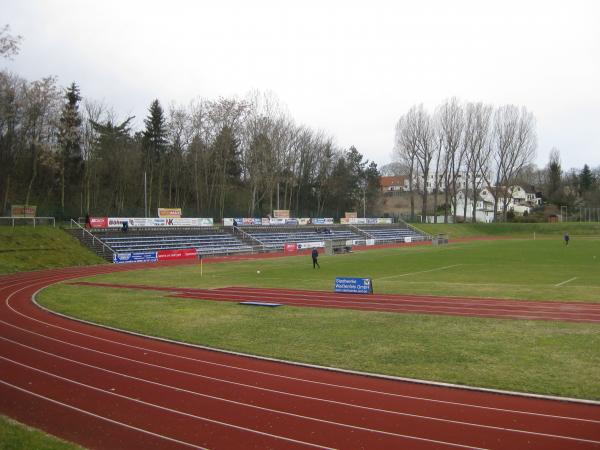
pixel 106 389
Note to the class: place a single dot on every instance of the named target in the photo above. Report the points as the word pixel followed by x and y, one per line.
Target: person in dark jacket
pixel 566 238
pixel 315 255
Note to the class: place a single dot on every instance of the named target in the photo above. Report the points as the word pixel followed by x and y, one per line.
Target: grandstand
pixel 248 239
pixel 392 233
pixel 274 238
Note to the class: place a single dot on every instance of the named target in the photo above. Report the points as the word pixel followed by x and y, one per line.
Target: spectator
pixel 87 220
pixel 125 226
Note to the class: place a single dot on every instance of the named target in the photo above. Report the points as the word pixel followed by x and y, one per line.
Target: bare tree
pixel 514 142
pixel 451 126
pixel 478 148
pixel 405 150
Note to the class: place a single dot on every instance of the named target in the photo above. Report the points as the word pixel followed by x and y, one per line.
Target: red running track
pixel 418 304
pixel 110 390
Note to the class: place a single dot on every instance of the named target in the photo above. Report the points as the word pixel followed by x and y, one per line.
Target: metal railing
pixel 415 229
pixel 33 219
pixel 94 238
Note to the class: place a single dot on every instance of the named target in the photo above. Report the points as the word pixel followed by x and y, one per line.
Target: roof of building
pixel 392 181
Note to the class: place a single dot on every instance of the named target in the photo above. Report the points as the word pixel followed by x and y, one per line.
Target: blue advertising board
pixel 120 258
pixel 354 285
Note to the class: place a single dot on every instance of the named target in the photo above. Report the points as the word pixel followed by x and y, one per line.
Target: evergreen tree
pixel 69 137
pixel 586 179
pixel 155 142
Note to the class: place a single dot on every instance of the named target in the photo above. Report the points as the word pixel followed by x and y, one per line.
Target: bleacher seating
pixel 392 234
pixel 205 244
pixel 275 239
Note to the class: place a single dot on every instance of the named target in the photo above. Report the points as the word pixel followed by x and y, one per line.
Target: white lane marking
pixel 282 393
pixel 287 362
pixel 417 273
pixel 400 305
pixel 83 411
pixel 565 282
pixel 193 416
pixel 288 394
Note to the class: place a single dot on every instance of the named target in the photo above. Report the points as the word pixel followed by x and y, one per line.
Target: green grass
pixel 461 230
pixel 16 436
pixel 519 269
pixel 554 358
pixel 28 248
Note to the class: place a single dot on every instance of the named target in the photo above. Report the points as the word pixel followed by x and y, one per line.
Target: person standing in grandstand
pixel 315 255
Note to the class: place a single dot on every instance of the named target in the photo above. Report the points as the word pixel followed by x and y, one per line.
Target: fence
pixel 24 221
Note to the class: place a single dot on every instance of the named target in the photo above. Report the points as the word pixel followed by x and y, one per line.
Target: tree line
pixel 473 143
pixel 468 146
pixel 211 157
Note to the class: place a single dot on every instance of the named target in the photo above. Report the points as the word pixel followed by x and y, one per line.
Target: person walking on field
pixel 566 239
pixel 315 255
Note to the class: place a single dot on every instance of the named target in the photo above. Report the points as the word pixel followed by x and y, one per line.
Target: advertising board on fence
pixel 98 222
pixel 352 285
pixel 290 248
pixel 322 221
pixel 169 213
pixel 133 257
pixel 23 210
pixel 408 239
pixel 117 222
pixel 281 213
pixel 170 255
pixel 305 245
pixel 365 221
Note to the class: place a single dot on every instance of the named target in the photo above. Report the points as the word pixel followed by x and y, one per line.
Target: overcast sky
pixel 348 68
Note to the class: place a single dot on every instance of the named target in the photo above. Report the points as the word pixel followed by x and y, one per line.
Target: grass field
pixel 544 357
pixel 14 435
pixel 524 230
pixel 28 248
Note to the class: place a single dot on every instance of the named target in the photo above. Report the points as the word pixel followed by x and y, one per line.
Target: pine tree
pixel 155 147
pixel 69 137
pixel 586 179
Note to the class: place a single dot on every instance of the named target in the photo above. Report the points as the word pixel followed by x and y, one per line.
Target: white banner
pixel 408 239
pixel 303 245
pixel 370 241
pixel 117 222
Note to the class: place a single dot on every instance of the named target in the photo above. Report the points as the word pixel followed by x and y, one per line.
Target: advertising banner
pixel 351 215
pixel 351 285
pixel 117 222
pixel 169 213
pixel 275 221
pixel 290 248
pixel 281 213
pixel 408 239
pixel 98 222
pixel 133 257
pixel 304 221
pixel 23 210
pixel 322 221
pixel 304 245
pixel 370 241
pixel 384 220
pixel 170 255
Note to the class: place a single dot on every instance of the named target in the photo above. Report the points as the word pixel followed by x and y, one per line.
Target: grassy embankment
pixel 28 248
pixel 517 230
pixel 16 436
pixel 555 358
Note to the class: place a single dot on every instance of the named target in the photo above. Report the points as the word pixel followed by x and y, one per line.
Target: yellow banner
pixel 169 213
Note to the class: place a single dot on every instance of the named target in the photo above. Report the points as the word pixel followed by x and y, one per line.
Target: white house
pixel 519 200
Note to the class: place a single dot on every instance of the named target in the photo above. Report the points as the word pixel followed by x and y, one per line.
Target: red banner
pixel 99 222
pixel 169 255
pixel 290 248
